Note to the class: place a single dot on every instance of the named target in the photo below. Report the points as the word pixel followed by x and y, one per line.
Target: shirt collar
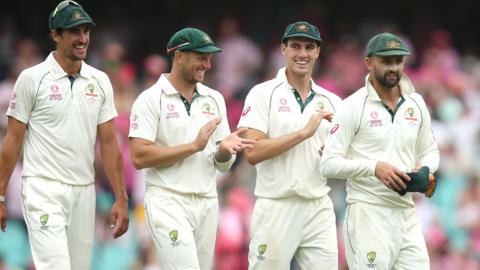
pixel 169 89
pixel 58 72
pixel 282 77
pixel 406 87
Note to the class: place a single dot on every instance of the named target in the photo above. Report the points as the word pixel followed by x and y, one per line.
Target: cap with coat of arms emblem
pixel 68 14
pixel 302 29
pixel 386 44
pixel 191 39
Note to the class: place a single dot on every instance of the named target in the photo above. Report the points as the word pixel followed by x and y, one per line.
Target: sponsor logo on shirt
pixel 374 122
pixel 174 237
pixel 334 128
pixel 284 107
pixel 55 93
pixel 246 110
pixel 133 122
pixel 13 103
pixel 171 113
pixel 371 256
pixel 262 248
pixel 44 221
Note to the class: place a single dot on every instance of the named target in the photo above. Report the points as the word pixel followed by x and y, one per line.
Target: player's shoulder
pixel 357 97
pixel 328 94
pixel 35 72
pixel 206 90
pixel 95 72
pixel 266 87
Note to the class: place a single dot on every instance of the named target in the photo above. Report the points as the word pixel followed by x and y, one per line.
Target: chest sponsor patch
pixel 284 106
pixel 374 121
pixel 55 94
pixel 171 111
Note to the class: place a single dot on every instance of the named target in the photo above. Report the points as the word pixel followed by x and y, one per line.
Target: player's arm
pixel 427 152
pixel 266 148
pixel 113 165
pixel 147 154
pixel 12 144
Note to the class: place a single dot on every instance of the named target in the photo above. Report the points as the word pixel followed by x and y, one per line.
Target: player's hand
pixel 314 122
pixel 233 143
pixel 205 133
pixel 3 216
pixel 392 177
pixel 119 218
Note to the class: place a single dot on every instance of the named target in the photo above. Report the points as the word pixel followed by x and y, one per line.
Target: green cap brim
pixel 79 22
pixel 304 35
pixel 207 49
pixel 391 53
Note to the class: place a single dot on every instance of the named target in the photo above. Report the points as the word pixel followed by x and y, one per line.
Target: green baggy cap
pixel 386 44
pixel 302 29
pixel 191 39
pixel 68 14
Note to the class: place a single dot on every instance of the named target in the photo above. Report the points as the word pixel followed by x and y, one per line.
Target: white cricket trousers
pixel 184 228
pixel 293 226
pixel 384 238
pixel 60 220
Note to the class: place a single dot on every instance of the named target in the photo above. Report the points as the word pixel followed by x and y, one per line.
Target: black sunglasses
pixel 62 5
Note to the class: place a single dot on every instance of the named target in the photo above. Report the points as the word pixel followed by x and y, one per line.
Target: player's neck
pixel 69 66
pixel 388 95
pixel 185 88
pixel 300 83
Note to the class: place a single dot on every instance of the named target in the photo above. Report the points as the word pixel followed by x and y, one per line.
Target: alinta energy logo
pixel 262 248
pixel 174 237
pixel 371 256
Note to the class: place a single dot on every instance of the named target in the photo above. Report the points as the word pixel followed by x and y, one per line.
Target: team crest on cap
pixel 302 28
pixel 76 15
pixel 206 38
pixel 393 44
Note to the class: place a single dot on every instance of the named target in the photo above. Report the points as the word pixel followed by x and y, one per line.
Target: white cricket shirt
pixel 160 115
pixel 272 108
pixel 62 119
pixel 365 132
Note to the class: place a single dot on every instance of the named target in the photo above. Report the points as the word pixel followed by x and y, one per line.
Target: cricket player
pixel 288 117
pixel 57 109
pixel 382 132
pixel 180 135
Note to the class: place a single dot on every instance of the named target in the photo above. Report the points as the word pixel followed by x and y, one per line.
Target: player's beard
pixel 388 83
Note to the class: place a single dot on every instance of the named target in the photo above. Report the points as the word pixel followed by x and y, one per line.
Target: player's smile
pixel 301 54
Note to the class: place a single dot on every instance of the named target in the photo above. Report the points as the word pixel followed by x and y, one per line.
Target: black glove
pixel 421 181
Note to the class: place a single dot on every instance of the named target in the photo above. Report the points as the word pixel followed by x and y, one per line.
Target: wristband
pixel 2 199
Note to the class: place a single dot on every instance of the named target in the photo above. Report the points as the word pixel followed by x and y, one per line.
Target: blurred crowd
pixel 448 80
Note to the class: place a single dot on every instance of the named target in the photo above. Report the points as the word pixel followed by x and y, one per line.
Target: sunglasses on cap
pixel 62 5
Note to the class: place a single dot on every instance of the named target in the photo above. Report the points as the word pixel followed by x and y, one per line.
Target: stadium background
pixel 129 44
